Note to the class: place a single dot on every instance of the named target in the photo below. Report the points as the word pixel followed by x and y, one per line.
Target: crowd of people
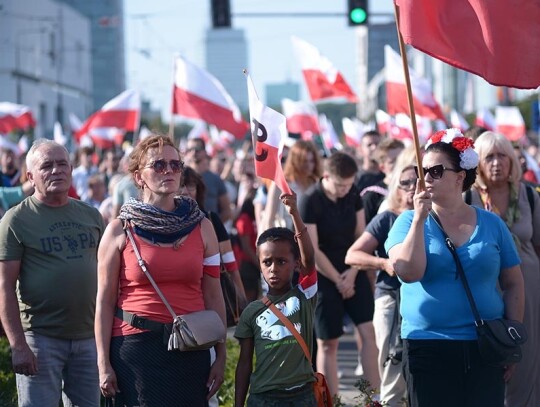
pixel 356 246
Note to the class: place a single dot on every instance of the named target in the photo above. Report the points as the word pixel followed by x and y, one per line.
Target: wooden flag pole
pixel 171 121
pixel 410 101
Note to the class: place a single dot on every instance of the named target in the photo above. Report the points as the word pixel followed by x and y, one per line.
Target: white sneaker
pixel 359 371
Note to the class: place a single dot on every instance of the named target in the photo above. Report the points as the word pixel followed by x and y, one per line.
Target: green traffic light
pixel 358 15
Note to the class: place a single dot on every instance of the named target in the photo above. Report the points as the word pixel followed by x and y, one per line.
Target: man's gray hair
pixel 38 144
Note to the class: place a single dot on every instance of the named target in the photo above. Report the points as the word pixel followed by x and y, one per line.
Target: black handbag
pixel 234 304
pixel 499 340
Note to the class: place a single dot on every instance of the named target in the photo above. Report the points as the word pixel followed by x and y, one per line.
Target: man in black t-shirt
pixel 333 213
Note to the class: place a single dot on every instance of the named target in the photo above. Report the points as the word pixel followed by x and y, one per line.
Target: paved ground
pixel 347 361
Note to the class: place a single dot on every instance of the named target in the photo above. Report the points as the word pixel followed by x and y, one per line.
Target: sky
pixel 156 30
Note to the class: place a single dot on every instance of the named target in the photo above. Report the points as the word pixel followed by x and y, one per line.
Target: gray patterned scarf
pixel 161 226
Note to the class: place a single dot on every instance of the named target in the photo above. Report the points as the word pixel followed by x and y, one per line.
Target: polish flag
pixel 496 40
pixel 74 122
pixel 199 95
pixel 328 134
pixel 269 131
pixel 384 121
pixel 301 116
pixel 199 130
pixel 396 91
pixel 457 121
pixel 485 119
pixel 15 117
pixel 402 129
pixel 58 134
pixel 509 121
pixel 353 129
pixel 323 80
pixel 7 144
pixel 107 126
pixel 220 139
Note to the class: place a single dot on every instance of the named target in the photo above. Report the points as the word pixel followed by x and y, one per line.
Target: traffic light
pixel 221 13
pixel 358 12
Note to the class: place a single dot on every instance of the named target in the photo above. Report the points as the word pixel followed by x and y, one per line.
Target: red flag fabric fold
pixel 497 40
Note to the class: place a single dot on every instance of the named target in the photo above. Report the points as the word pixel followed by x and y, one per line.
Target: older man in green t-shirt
pixel 48 263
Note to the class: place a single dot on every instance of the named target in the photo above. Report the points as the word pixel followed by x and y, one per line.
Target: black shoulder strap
pixel 530 197
pixel 459 267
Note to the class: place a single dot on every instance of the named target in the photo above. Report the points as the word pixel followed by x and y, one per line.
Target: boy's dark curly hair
pixel 280 234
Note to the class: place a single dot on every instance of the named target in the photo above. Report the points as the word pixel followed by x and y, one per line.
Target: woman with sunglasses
pixel 498 189
pixel 180 249
pixel 442 364
pixel 368 253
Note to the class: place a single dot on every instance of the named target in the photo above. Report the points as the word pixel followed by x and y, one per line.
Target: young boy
pixel 283 376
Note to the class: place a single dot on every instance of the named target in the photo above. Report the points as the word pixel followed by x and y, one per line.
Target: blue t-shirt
pixel 436 307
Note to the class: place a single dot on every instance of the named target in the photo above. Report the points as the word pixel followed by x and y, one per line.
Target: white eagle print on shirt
pixel 267 320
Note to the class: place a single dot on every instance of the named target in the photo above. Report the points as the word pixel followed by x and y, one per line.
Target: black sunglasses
pixel 407 183
pixel 160 166
pixel 436 172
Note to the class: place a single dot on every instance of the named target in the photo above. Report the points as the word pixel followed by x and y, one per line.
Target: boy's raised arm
pixel 307 253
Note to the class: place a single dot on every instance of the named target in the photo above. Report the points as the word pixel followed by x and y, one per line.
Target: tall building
pixel 226 57
pixel 107 47
pixel 45 60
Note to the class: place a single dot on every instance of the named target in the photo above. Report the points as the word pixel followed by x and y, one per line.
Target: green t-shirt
pixel 57 247
pixel 280 361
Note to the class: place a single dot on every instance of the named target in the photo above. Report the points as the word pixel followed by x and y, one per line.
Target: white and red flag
pixel 199 95
pixel 396 91
pixel 74 122
pixel 485 119
pixel 498 41
pixel 269 131
pixel 322 78
pixel 457 121
pixel 301 116
pixel 199 130
pixel 384 121
pixel 58 134
pixel 353 129
pixel 328 134
pixel 15 117
pixel 509 122
pixel 107 126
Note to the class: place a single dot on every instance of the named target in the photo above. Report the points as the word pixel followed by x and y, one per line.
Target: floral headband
pixel 468 157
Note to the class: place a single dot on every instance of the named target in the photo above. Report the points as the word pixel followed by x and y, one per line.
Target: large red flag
pixel 498 40
pixel 15 117
pixel 396 91
pixel 199 95
pixel 107 126
pixel 323 80
pixel 269 131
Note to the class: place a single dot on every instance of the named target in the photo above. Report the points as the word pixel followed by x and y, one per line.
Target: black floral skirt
pixel 149 375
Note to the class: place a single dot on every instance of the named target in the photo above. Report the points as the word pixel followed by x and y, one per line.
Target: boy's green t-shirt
pixel 280 361
pixel 57 247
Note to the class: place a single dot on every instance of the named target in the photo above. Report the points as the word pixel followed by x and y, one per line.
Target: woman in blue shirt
pixel 442 364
